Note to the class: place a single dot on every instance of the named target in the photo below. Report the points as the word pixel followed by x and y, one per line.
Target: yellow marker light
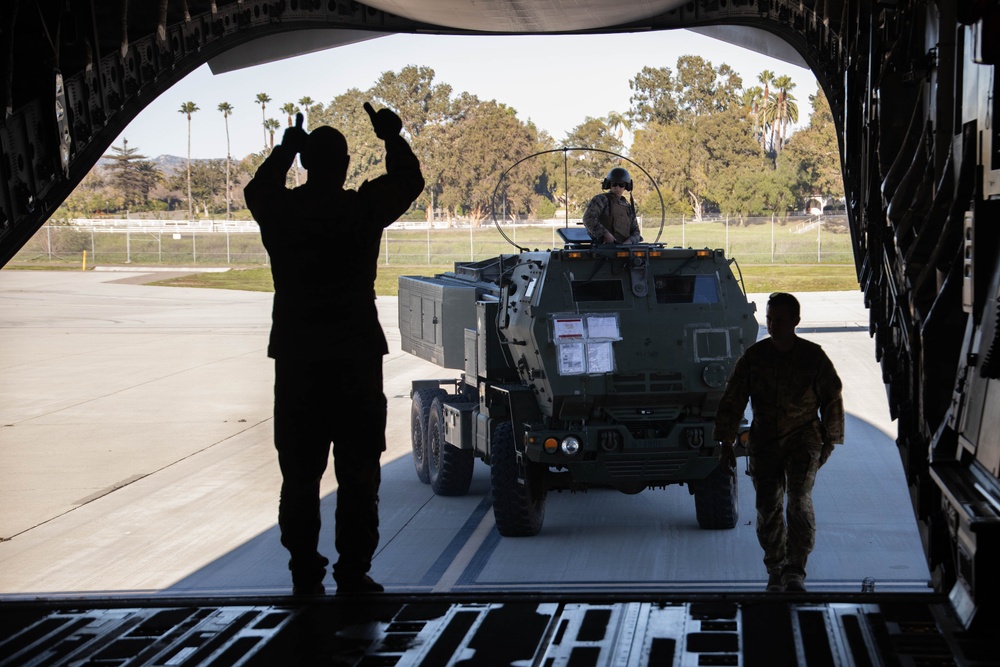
pixel 574 255
pixel 656 253
pixel 744 437
pixel 551 445
pixel 621 253
pixel 703 253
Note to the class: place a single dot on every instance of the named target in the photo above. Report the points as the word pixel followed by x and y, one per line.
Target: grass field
pixel 772 256
pixel 756 278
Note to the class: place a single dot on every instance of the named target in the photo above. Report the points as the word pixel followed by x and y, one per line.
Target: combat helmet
pixel 617 175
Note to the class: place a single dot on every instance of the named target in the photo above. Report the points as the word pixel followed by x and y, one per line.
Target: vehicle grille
pixel 645 383
pixel 624 466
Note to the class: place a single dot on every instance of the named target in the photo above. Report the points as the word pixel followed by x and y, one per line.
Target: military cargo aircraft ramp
pixel 139 466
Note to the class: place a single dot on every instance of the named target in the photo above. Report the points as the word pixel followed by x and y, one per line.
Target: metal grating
pixel 434 630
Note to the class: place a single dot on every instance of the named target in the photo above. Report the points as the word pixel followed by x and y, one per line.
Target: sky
pixel 554 81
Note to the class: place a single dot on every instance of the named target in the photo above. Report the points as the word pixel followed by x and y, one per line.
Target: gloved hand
pixel 385 122
pixel 295 137
pixel 727 456
pixel 825 452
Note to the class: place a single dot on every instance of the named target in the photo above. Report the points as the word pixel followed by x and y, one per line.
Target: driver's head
pixel 618 179
pixel 325 154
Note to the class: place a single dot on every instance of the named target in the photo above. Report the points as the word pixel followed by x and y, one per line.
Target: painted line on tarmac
pixel 453 561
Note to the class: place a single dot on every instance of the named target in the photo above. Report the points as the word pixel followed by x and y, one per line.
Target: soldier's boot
pixel 775 584
pixel 794 580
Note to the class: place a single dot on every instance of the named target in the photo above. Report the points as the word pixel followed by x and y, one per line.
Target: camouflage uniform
pixel 603 213
pixel 797 408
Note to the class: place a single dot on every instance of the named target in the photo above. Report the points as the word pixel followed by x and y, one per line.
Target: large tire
pixel 420 408
pixel 518 509
pixel 449 468
pixel 716 499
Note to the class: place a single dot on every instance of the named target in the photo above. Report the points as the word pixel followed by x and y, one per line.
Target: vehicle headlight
pixel 570 445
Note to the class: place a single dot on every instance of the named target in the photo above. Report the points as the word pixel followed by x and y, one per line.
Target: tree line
pixel 713 146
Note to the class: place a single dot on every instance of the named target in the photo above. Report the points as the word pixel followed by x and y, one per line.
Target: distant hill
pixel 168 164
pixel 171 164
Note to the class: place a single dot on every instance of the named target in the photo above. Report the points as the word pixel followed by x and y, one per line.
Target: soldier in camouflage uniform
pixel 609 217
pixel 798 417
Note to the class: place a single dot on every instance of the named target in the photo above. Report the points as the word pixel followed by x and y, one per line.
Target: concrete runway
pixel 136 457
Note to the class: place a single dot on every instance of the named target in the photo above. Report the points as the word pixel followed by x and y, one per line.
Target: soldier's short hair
pixel 785 300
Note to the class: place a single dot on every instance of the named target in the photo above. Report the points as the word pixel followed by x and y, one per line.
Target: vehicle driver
pixel 609 217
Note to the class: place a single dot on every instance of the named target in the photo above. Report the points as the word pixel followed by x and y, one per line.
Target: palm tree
pixel 189 108
pixel 767 78
pixel 227 110
pixel 290 109
pixel 270 126
pixel 262 100
pixel 307 103
pixel 786 111
pixel 618 123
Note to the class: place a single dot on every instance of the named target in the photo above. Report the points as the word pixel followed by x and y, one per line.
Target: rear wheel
pixel 716 499
pixel 449 468
pixel 518 508
pixel 420 408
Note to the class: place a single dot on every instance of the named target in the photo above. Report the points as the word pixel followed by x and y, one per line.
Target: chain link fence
pixel 793 240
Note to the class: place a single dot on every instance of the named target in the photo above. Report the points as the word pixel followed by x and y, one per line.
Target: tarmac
pixel 136 456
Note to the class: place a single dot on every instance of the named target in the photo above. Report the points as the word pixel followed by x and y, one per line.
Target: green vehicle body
pixel 586 366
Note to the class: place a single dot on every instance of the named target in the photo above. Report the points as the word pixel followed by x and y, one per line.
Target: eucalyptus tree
pixel 678 161
pixel 346 113
pixel 588 167
pixel 695 87
pixel 814 154
pixel 262 100
pixel 227 110
pixel 424 106
pixel 739 174
pixel 413 94
pixel 653 97
pixel 751 99
pixel 189 108
pixel 484 142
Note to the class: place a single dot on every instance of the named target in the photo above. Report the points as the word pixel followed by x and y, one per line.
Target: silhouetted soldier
pixel 609 217
pixel 326 340
pixel 798 417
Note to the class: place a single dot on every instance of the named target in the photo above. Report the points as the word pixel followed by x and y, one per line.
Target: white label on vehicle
pixel 568 328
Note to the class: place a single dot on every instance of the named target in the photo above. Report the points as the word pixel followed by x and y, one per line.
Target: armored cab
pixel 583 366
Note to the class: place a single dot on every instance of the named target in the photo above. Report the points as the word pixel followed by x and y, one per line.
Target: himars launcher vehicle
pixel 584 366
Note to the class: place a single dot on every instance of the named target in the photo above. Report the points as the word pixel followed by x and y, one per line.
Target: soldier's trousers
pixel 783 466
pixel 317 403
